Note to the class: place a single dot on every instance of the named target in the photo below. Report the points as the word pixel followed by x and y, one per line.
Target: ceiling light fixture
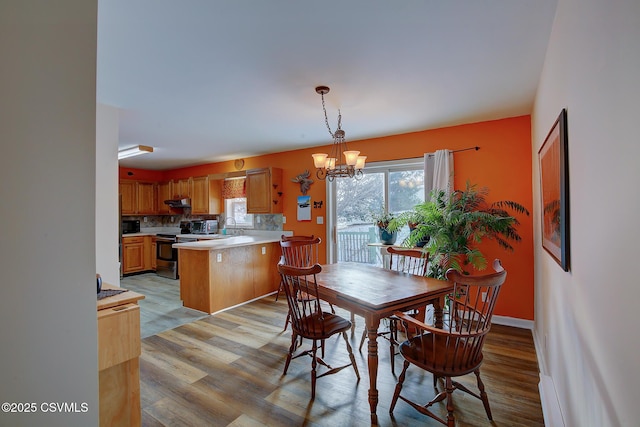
pixel 134 151
pixel 331 166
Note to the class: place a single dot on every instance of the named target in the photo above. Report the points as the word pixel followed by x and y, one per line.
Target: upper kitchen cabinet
pixel 206 195
pixel 183 188
pixel 138 197
pixel 146 197
pixel 129 197
pixel 264 190
pixel 165 192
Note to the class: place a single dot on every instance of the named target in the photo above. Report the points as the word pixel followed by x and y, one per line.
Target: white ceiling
pixel 211 80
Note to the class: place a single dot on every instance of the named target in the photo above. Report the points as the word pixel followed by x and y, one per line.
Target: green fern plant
pixel 456 224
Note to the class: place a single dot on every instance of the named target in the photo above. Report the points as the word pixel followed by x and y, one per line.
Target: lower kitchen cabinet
pixel 153 253
pixel 118 359
pixel 138 254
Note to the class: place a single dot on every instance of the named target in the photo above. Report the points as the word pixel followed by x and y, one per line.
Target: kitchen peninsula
pixel 217 274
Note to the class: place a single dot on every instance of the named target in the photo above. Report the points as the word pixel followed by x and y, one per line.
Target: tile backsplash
pixel 267 222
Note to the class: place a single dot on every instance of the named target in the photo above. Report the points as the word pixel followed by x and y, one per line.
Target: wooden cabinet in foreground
pixel 264 190
pixel 118 359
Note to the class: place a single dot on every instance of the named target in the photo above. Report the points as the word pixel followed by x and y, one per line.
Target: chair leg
pixel 286 322
pixel 314 364
pixel 451 420
pixel 292 348
pixel 279 289
pixel 396 393
pixel 483 394
pixel 351 356
pixel 393 341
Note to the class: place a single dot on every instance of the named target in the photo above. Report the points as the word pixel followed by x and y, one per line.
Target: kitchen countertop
pixel 226 242
pixel 119 299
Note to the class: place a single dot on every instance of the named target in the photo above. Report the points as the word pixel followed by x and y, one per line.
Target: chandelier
pixel 331 166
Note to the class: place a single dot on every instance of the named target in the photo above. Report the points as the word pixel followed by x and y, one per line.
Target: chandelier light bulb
pixel 351 157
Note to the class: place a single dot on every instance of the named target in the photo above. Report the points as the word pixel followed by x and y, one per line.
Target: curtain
pixel 438 172
pixel 233 188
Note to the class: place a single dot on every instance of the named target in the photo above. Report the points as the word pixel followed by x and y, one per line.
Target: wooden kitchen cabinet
pixel 206 197
pixel 264 190
pixel 164 192
pixel 153 253
pixel 183 188
pixel 138 254
pixel 146 197
pixel 133 254
pixel 129 200
pixel 264 275
pixel 118 359
pixel 138 197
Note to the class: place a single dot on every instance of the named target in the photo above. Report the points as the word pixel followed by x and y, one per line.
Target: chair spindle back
pixel 300 287
pixel 412 261
pixel 301 251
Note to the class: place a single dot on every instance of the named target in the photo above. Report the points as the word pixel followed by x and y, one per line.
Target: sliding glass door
pixel 390 186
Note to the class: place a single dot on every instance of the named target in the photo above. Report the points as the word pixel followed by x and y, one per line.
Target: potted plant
pixel 412 218
pixel 457 223
pixel 382 219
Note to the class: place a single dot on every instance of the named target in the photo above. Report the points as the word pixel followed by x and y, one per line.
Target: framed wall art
pixel 554 189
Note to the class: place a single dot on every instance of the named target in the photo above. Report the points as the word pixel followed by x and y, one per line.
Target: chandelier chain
pixel 326 120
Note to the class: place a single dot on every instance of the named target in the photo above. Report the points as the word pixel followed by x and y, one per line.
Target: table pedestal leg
pixel 372 360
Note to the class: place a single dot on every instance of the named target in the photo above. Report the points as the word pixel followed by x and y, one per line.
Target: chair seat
pixel 321 329
pixel 436 356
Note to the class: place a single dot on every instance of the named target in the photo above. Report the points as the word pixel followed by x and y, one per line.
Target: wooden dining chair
pixel 284 238
pixel 300 251
pixel 456 348
pixel 405 260
pixel 309 321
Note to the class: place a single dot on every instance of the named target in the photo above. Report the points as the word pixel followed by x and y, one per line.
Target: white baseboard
pixel 549 401
pixel 512 321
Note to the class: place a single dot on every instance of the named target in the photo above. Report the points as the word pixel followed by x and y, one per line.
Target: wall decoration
pixel 304 181
pixel 554 189
pixel 318 204
pixel 304 208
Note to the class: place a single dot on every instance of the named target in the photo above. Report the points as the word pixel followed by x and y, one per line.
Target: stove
pixel 166 255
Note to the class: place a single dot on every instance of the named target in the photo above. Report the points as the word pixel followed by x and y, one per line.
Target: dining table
pixel 375 293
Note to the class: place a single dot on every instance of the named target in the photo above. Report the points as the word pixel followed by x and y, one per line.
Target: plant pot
pixel 422 241
pixel 387 237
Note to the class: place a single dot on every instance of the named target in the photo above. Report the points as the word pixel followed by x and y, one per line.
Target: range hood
pixel 178 203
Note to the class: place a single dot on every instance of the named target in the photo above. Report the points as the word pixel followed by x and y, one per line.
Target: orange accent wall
pixel 503 164
pixel 141 174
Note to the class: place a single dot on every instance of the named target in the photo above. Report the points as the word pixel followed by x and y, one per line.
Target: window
pixel 236 208
pixel 235 204
pixel 394 187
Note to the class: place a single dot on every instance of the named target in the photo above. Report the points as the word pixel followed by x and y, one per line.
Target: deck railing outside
pixel 353 246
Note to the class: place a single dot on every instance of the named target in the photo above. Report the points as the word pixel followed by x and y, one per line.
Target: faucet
pixel 226 221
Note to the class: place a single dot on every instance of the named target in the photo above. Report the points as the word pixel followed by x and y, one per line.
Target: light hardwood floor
pixel 226 370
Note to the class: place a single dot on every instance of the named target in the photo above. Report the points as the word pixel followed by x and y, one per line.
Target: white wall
pixel 587 319
pixel 107 216
pixel 48 343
